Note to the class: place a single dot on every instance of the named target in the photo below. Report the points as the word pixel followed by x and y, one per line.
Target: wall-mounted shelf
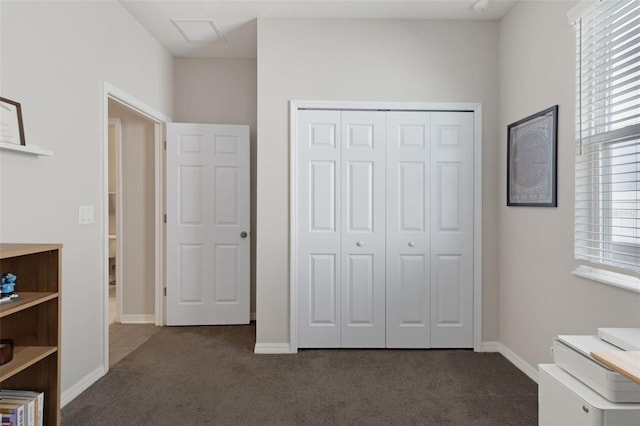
pixel 25 149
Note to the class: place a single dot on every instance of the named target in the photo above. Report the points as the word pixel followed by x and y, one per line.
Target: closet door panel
pixel 360 196
pixel 360 290
pixel 319 228
pixel 407 241
pixel 322 289
pixel 452 229
pixel 363 232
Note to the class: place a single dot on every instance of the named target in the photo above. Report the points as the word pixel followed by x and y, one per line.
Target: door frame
pixel 116 123
pixel 476 108
pixel 109 91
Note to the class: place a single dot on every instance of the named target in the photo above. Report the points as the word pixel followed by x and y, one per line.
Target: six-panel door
pixel 207 224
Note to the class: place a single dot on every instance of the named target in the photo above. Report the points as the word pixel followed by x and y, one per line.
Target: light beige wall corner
pixel 54 59
pixel 363 60
pixel 539 298
pixel 221 91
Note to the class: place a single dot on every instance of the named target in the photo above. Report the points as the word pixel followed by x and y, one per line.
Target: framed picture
pixel 532 160
pixel 11 130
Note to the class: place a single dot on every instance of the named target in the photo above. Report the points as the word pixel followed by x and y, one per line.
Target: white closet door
pixel 319 229
pixel 363 229
pixel 384 221
pixel 451 229
pixel 407 261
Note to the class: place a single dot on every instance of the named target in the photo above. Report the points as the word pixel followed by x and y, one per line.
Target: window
pixel 607 210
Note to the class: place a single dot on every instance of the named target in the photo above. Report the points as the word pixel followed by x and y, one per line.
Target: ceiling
pixel 236 19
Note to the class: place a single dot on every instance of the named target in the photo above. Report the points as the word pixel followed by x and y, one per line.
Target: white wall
pixel 138 215
pixel 366 60
pixel 539 298
pixel 221 91
pixel 54 58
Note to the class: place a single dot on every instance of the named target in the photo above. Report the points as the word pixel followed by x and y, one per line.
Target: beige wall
pixel 54 59
pixel 138 215
pixel 221 91
pixel 539 298
pixel 365 60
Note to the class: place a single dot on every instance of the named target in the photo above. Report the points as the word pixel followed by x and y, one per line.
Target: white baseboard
pixel 490 346
pixel 272 348
pixel 138 319
pixel 82 385
pixel 511 356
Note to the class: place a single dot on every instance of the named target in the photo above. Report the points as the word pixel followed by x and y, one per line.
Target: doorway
pixel 133 228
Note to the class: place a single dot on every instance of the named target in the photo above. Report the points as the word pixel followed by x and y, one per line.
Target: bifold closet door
pixel 341 229
pixel 429 230
pixel 319 227
pixel 363 229
pixel 451 229
pixel 384 221
pixel 408 242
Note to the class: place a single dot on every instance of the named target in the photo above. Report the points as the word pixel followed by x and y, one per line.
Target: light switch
pixel 85 215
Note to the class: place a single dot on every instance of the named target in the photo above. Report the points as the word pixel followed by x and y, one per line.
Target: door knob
pixel 411 244
pixel 359 243
pixel 243 234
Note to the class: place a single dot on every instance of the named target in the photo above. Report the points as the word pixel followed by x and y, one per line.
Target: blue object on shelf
pixel 7 284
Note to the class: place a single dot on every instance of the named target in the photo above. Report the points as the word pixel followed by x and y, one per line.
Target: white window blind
pixel 607 209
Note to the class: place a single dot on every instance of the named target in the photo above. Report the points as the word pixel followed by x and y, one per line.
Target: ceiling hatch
pixel 199 30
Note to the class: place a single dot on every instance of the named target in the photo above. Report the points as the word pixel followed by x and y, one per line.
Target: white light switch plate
pixel 85 215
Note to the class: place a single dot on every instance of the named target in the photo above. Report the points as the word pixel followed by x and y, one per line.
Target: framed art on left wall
pixel 11 128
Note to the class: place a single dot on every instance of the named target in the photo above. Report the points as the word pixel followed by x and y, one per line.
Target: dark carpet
pixel 210 375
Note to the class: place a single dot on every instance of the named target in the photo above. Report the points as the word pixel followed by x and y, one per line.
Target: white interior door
pixel 319 229
pixel 363 230
pixel 451 229
pixel 408 233
pixel 207 224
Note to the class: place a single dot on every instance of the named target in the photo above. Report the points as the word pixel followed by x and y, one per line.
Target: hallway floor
pixel 125 338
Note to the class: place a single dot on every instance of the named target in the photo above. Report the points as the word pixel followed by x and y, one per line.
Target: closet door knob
pixel 411 244
pixel 359 243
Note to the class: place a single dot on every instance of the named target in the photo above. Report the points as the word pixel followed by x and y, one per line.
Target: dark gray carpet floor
pixel 210 375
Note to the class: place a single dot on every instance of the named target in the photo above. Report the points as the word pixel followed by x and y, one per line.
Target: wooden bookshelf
pixel 33 322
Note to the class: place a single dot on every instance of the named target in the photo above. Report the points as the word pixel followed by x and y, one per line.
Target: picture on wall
pixel 11 130
pixel 532 160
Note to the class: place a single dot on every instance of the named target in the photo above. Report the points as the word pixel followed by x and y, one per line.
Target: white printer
pixel 579 390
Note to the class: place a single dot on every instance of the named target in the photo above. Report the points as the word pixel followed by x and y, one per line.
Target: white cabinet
pixel 384 225
pixel 565 401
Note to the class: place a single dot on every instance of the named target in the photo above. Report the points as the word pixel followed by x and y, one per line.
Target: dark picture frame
pixel 11 127
pixel 532 163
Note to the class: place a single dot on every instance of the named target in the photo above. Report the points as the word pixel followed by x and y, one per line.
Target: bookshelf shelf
pixel 26 300
pixel 24 357
pixel 33 322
